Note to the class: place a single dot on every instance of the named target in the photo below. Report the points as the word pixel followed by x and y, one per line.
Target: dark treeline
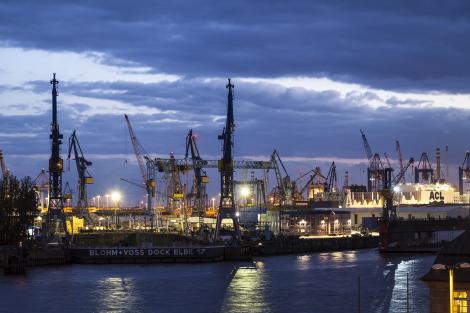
pixel 18 208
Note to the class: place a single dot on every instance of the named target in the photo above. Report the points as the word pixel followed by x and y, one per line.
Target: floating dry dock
pixel 129 247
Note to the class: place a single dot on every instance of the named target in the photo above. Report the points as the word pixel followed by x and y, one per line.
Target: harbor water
pixel 317 282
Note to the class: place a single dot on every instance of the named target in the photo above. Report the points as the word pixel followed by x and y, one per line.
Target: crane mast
pixel 227 203
pixel 84 178
pixel 55 218
pixel 4 168
pixel 146 173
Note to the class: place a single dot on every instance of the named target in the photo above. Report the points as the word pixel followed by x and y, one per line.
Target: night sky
pixel 308 75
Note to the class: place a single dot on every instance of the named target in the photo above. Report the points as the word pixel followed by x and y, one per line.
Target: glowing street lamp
pixel 116 196
pixel 213 203
pixel 244 191
pixel 107 201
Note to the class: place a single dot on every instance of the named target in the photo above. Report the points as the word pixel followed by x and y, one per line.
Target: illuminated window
pixel 460 302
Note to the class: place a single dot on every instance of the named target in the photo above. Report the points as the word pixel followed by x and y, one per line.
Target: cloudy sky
pixel 308 75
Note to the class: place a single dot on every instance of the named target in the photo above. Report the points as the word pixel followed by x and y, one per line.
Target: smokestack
pixel 447 162
pixel 438 164
pixel 346 180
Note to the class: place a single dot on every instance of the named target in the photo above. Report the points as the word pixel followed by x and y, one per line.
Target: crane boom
pixel 400 175
pixel 139 151
pixel 400 159
pixel 366 146
pixel 331 178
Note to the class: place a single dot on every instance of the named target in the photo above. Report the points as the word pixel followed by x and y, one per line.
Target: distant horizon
pixel 307 75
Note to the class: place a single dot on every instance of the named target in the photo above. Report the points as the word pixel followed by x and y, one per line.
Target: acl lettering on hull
pixel 154 252
pixel 436 197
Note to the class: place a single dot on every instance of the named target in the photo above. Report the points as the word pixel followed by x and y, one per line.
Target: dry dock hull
pixel 120 255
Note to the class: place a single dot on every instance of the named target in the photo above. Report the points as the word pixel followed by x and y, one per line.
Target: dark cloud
pixel 398 45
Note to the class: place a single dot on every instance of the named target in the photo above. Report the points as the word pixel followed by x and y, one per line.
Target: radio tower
pixel 55 218
pixel 227 203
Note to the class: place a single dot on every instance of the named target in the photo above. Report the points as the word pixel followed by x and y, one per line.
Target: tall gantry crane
pixel 227 201
pixel 143 162
pixel 400 160
pixel 175 190
pixel 198 194
pixel 84 177
pixel 464 172
pixel 55 218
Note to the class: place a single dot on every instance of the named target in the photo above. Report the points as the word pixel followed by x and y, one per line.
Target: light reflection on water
pixel 117 294
pixel 247 292
pixel 317 282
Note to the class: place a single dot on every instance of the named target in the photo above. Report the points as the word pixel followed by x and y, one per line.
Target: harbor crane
pixel 389 209
pixel 329 182
pixel 314 173
pixel 284 184
pixel 55 222
pixel 332 179
pixel 198 194
pixel 376 172
pixel 424 171
pixel 142 161
pixel 227 201
pixel 464 172
pixel 84 177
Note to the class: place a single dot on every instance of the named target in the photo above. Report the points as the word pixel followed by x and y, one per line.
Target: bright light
pixel 396 189
pixel 244 191
pixel 237 214
pixel 115 196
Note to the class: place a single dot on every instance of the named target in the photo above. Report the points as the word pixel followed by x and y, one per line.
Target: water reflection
pixel 317 282
pixel 116 294
pixel 246 292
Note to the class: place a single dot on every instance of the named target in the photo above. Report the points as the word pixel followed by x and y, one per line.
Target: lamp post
pixel 115 196
pixel 213 203
pixel 98 197
pixel 107 201
pixel 451 290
